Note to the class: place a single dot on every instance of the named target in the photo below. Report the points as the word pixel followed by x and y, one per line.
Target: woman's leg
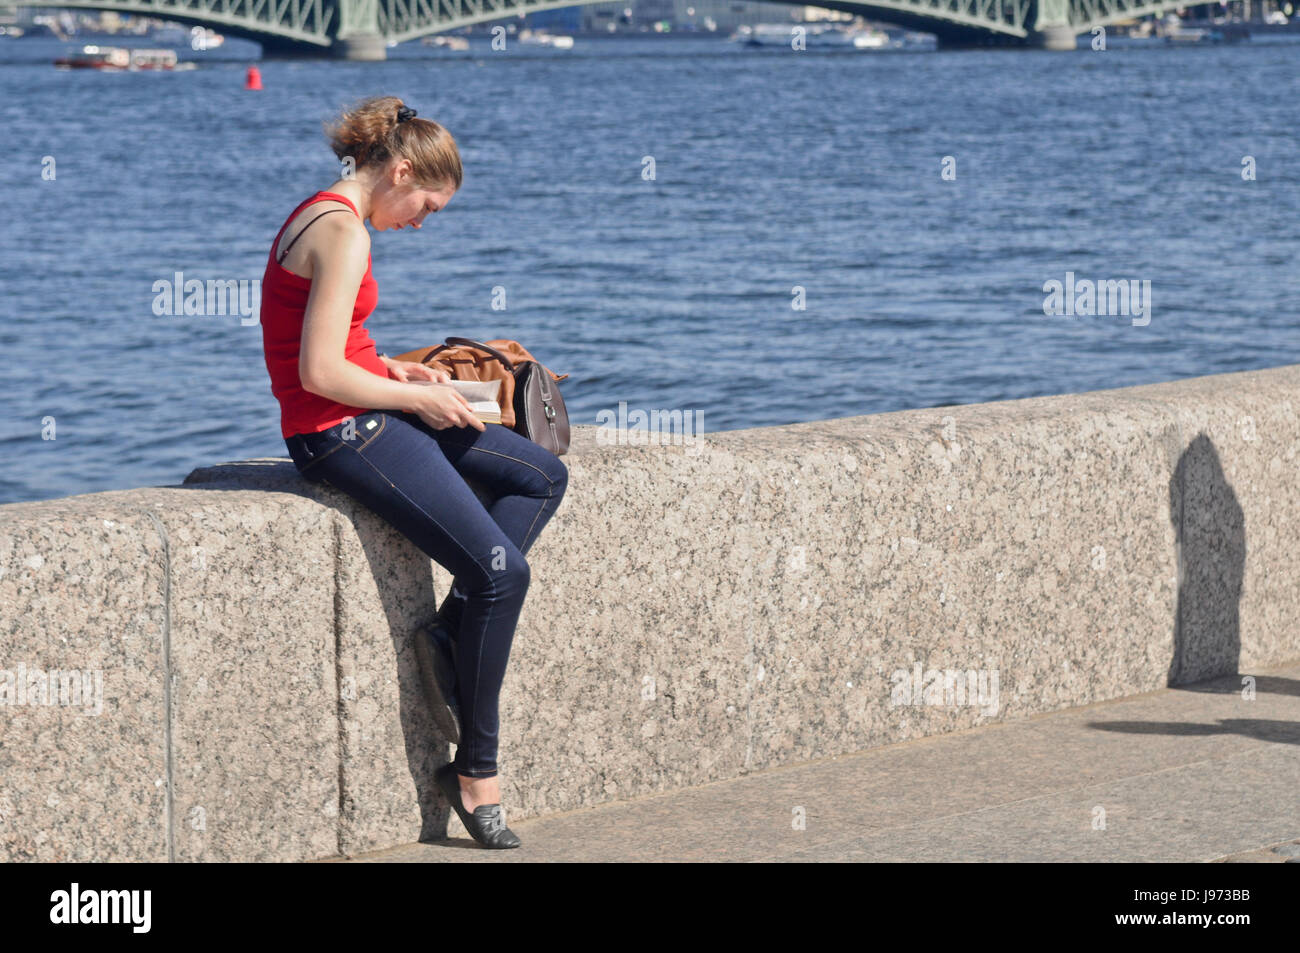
pixel 527 481
pixel 395 469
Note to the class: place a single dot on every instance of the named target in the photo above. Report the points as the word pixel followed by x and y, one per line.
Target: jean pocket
pixel 309 449
pixel 363 429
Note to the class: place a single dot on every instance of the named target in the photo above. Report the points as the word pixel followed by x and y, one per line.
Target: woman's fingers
pixel 471 420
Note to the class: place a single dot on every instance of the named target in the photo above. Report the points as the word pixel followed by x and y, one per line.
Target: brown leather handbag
pixel 530 401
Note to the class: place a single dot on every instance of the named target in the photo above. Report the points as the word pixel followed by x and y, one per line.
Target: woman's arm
pixel 338 258
pixel 338 255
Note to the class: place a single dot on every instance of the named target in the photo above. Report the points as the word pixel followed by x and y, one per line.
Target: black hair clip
pixel 404 113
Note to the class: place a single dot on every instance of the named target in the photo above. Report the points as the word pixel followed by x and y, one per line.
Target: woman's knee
pixel 519 574
pixel 506 571
pixel 546 479
pixel 559 478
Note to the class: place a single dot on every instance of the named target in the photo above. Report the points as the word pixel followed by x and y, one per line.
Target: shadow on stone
pixel 1210 533
pixel 426 749
pixel 1261 729
pixel 1233 685
pixel 1210 530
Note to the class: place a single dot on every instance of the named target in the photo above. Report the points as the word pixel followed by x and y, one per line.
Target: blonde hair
pixel 370 134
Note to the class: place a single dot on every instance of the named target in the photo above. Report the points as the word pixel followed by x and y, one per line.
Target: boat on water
pixel 119 59
pixel 1187 35
pixel 1177 31
pixel 817 35
pixel 556 41
pixel 157 59
pixel 870 39
pixel 457 43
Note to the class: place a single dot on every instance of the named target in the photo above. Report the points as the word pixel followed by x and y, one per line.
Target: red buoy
pixel 254 78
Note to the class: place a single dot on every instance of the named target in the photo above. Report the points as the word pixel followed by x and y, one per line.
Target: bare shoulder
pixel 334 238
pixel 347 230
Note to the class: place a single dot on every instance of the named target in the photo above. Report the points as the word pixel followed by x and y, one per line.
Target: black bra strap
pixel 304 228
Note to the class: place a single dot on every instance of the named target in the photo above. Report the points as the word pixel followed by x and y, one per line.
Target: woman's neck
pixel 356 190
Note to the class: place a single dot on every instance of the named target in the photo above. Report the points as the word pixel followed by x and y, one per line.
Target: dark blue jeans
pixel 411 475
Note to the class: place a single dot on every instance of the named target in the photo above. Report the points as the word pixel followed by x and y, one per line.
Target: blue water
pixel 774 169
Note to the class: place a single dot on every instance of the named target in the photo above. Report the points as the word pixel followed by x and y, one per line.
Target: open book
pixel 482 397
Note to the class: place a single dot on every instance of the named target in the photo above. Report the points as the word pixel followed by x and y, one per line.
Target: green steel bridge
pixel 362 29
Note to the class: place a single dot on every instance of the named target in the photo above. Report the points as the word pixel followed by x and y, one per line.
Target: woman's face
pixel 404 204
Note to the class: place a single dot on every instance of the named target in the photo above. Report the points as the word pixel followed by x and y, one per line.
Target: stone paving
pixel 1200 773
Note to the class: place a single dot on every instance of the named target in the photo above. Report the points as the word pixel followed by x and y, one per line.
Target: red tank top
pixel 284 303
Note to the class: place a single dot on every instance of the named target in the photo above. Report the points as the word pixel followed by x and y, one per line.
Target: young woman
pixel 358 421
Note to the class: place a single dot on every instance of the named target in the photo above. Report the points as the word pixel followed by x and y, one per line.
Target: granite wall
pixel 234 678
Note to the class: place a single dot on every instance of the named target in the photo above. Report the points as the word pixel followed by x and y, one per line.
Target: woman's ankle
pixel 486 790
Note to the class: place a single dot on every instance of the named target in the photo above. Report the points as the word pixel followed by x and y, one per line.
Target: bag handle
pixel 469 342
pixel 499 355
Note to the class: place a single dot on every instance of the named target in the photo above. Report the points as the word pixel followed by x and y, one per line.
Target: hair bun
pixel 371 133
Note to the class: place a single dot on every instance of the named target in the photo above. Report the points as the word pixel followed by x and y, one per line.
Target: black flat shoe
pixel 436 653
pixel 487 824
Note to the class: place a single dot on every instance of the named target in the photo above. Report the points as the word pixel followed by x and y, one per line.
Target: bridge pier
pixel 361 47
pixel 1053 38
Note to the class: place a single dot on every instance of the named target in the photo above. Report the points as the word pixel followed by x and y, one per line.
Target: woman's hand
pixel 407 371
pixel 441 406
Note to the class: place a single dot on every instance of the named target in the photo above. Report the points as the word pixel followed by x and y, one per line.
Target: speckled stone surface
pixel 700 612
pixel 1239 464
pixel 390 744
pixel 255 735
pixel 1178 775
pixel 1287 852
pixel 1026 540
pixel 382 589
pixel 82 590
pixel 606 695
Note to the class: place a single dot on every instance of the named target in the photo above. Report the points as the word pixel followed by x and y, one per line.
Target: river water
pixel 798 254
